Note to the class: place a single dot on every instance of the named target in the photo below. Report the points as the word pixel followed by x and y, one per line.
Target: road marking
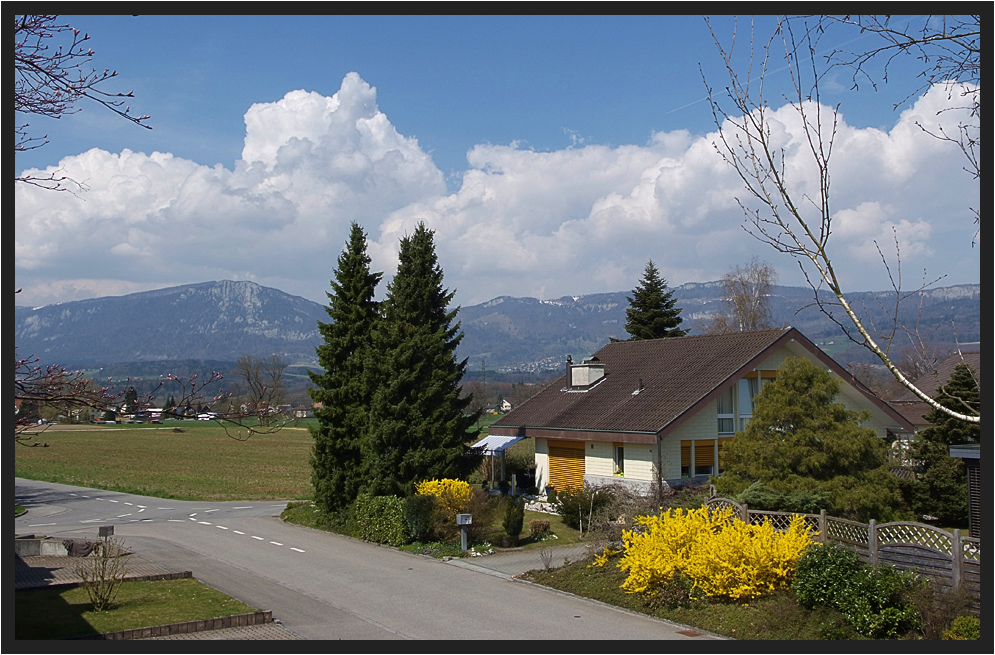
pixel 211 510
pixel 39 525
pixel 297 549
pixel 222 527
pixel 246 507
pixel 127 503
pixel 259 538
pixel 276 543
pixel 165 508
pixel 141 510
pixel 121 516
pixel 238 532
pixel 174 520
pixel 203 522
pixel 113 501
pixel 192 518
pixel 142 506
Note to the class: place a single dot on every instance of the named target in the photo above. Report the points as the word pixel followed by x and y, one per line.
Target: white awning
pixel 494 444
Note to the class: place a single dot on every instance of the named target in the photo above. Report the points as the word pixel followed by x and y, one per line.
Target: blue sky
pixel 513 132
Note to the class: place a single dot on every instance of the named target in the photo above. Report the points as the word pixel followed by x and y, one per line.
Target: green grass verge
pixel 200 463
pixel 774 617
pixel 58 613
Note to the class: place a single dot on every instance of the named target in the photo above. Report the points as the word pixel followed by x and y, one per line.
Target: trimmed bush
pixel 419 516
pixel 381 520
pixel 538 528
pixel 964 627
pixel 873 600
pixel 820 571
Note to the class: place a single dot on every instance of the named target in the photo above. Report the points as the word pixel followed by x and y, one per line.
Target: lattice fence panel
pixel 847 532
pixel 923 535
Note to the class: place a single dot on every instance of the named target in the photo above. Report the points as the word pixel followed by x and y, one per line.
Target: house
pixel 914 409
pixel 667 403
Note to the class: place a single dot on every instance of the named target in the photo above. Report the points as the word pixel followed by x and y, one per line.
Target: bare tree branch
pixel 796 224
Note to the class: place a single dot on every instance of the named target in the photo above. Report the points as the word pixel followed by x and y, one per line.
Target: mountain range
pixel 220 321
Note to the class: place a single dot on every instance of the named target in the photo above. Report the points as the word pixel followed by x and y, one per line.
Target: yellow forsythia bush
pixel 453 496
pixel 722 556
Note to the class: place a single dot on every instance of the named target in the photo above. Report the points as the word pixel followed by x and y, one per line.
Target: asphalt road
pixel 326 586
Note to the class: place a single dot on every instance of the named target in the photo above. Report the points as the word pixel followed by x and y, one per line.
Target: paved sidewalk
pixel 49 570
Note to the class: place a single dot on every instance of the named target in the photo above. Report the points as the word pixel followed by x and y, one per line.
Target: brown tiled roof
pixel 676 374
pixel 915 410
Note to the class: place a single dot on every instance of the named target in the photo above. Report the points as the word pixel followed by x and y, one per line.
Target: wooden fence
pixel 950 559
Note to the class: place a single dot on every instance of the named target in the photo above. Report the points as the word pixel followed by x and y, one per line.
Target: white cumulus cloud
pixel 582 219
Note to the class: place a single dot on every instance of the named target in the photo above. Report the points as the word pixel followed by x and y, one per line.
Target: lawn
pixel 774 617
pixel 200 462
pixel 58 613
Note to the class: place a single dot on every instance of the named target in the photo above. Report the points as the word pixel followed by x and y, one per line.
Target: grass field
pixel 200 463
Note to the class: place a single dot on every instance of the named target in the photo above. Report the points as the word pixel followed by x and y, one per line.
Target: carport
pixel 494 445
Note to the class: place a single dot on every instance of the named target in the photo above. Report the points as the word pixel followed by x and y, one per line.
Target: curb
pixel 186 627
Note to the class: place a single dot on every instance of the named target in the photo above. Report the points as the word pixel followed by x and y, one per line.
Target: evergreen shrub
pixel 964 627
pixel 419 513
pixel 381 519
pixel 514 519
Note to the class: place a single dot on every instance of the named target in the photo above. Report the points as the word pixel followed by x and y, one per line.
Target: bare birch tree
pixel 746 290
pixel 798 223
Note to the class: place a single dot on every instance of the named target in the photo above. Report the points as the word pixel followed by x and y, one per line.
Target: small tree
pixel 651 313
pixel 940 487
pixel 514 520
pixel 801 441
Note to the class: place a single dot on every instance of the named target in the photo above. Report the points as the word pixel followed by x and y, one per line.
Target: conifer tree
pixel 651 313
pixel 418 426
pixel 801 441
pixel 940 487
pixel 344 389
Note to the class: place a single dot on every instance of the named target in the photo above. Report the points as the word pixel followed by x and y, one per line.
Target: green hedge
pixel 381 520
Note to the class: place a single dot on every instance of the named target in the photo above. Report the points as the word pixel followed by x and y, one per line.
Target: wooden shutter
pixel 566 464
pixel 704 453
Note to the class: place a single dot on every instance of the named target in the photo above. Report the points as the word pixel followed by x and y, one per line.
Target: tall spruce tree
pixel 418 426
pixel 940 487
pixel 345 388
pixel 651 313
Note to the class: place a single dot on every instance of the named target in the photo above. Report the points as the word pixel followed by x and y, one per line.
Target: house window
pixel 725 413
pixel 701 453
pixel 619 459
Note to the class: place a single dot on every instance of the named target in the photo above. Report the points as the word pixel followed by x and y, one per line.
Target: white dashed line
pixel 113 501
pixel 203 522
pixel 259 538
pixel 246 507
pixel 174 521
pixel 121 516
pixel 221 526
pixel 39 525
pixel 276 543
pixel 297 549
pixel 238 532
pixel 127 503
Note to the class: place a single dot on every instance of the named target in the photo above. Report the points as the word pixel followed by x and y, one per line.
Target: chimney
pixel 570 363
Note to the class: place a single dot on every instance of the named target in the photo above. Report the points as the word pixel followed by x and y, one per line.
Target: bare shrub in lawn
pixel 102 572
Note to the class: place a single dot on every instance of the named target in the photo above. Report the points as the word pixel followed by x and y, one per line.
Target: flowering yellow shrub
pixel 722 556
pixel 453 496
